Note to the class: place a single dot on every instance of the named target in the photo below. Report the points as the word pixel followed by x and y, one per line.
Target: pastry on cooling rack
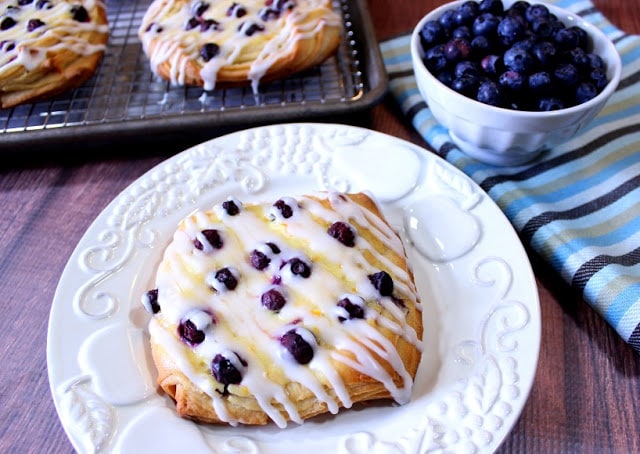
pixel 283 310
pixel 48 47
pixel 211 43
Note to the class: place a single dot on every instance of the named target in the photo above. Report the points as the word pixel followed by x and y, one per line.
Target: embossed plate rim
pixel 482 315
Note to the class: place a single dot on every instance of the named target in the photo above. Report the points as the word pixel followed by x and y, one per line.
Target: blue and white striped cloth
pixel 578 206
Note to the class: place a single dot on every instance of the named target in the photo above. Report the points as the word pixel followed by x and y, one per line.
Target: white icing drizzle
pixel 252 331
pixel 58 32
pixel 178 46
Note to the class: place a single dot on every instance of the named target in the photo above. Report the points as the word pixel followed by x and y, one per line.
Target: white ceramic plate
pixel 481 307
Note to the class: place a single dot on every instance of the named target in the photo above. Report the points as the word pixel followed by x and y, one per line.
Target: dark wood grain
pixel 586 394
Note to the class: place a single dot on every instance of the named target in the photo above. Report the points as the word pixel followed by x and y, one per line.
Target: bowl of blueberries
pixel 510 79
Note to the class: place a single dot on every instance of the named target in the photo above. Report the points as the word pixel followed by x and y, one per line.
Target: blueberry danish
pixel 282 310
pixel 210 43
pixel 48 47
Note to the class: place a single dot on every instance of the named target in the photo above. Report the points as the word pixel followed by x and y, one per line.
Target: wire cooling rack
pixel 124 99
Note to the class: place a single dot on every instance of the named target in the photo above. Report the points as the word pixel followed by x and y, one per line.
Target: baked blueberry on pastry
pixel 48 47
pixel 207 43
pixel 283 310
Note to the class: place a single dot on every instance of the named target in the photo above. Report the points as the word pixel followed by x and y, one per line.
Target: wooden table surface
pixel 586 394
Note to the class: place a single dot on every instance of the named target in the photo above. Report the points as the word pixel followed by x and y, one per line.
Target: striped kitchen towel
pixel 578 206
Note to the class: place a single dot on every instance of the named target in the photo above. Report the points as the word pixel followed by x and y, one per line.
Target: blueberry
pixel 189 333
pixel 596 62
pixel 547 104
pixel 519 60
pixel 583 38
pixel 585 91
pixel 208 239
pixel 209 24
pixel 274 247
pixel 544 53
pixel 536 11
pixel 457 49
pixel 435 59
pixel 351 307
pixel 525 44
pixel 466 67
pixel 566 38
pixel 192 327
pixel 480 46
pixel 192 23
pixel 199 8
pixel 299 267
pixel 599 78
pixel 250 28
pixel 260 257
pixel 462 31
pixel 489 93
pixel 542 28
pixel 343 232
pixel 299 347
pixel 236 10
pixel 485 24
pixel 7 23
pixel 282 5
pixel 32 24
pixel 556 24
pixel 223 279
pixel 491 6
pixel 7 45
pixel 225 369
pixel 540 83
pixel 44 4
pixel 512 81
pixel 259 260
pixel 273 299
pixel 209 51
pixel 432 33
pixel 150 301
pixel 285 207
pixel 566 75
pixel 510 29
pixel 231 207
pixel 492 64
pixel 445 76
pixel 447 21
pixel 383 282
pixel 266 14
pixel 466 13
pixel 154 27
pixel 466 84
pixel 519 8
pixel 80 14
pixel 578 57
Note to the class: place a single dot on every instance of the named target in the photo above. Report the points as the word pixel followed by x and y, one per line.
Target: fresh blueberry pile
pixel 521 57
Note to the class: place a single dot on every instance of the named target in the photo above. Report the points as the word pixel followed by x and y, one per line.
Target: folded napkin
pixel 577 206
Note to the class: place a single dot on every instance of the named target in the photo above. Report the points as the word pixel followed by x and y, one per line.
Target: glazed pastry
pixel 48 47
pixel 228 43
pixel 283 310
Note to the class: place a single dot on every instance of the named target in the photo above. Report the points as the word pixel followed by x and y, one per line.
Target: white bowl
pixel 501 136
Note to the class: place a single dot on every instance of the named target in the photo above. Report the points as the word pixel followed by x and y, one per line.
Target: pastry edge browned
pixel 55 82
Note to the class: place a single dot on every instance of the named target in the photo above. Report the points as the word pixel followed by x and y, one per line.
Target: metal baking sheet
pixel 125 100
